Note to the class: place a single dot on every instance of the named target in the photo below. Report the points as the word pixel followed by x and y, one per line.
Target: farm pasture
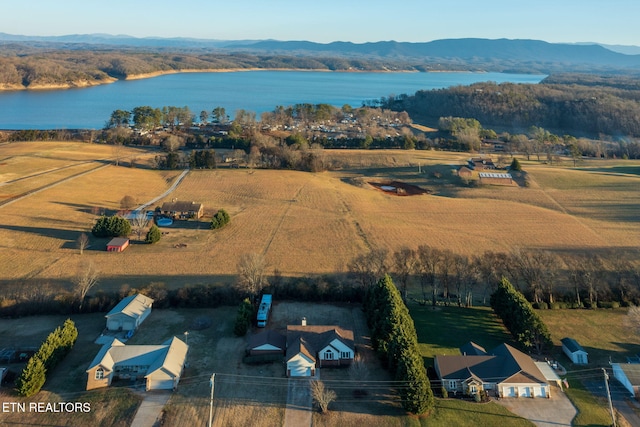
pixel 305 223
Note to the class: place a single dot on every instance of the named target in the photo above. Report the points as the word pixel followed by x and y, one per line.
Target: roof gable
pixel 132 306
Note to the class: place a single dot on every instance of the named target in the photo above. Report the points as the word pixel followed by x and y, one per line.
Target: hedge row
pixel 394 336
pixel 51 352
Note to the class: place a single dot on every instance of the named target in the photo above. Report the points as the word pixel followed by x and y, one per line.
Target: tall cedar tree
pixel 519 317
pixel 394 337
pixel 153 235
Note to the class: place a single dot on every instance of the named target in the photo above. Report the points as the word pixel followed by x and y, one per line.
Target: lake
pixel 257 91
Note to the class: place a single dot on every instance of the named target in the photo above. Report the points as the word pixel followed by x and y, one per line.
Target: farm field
pixel 303 223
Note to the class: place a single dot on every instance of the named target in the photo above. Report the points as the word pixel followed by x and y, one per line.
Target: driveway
pixel 298 412
pixel 150 409
pixel 553 412
pixel 619 397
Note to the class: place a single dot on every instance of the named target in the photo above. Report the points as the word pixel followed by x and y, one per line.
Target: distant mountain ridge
pixel 472 53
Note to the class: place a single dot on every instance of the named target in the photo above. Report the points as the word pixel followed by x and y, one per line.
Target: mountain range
pixel 490 54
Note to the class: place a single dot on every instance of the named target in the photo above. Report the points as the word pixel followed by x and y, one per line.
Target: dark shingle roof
pixel 572 345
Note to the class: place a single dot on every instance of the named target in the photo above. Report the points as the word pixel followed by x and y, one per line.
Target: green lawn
pixel 443 330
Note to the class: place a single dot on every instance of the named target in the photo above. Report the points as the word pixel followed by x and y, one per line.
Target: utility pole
pixel 606 384
pixel 212 382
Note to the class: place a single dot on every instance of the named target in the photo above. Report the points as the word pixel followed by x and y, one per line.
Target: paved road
pixel 150 410
pixel 298 412
pixel 619 398
pixel 553 412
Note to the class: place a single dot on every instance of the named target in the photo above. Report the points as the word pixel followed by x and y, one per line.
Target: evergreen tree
pixel 243 318
pixel 515 165
pixel 32 378
pixel 220 219
pixel 153 235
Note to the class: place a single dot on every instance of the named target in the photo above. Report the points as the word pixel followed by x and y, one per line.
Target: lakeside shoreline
pixel 80 84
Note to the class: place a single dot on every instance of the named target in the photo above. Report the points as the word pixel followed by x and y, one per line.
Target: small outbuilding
pixel 129 313
pixel 574 351
pixel 490 178
pixel 117 244
pixel 465 172
pixel 267 342
pixel 629 376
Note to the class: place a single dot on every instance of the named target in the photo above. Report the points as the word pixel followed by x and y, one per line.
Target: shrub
pixel 153 235
pixel 111 226
pixel 220 219
pixel 541 305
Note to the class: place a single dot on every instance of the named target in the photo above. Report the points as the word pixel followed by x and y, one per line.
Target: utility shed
pixel 117 244
pixel 574 351
pixel 129 313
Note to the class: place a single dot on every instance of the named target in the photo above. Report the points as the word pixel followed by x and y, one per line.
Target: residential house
pixel 574 351
pixel 160 366
pixel 129 313
pixel 504 371
pixel 182 210
pixel 481 163
pixel 312 347
pixel 629 376
pixel 117 244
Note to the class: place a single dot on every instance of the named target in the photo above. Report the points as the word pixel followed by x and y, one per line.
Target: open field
pixel 303 223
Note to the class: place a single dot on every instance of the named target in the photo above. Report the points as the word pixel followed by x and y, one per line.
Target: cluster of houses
pixel 485 169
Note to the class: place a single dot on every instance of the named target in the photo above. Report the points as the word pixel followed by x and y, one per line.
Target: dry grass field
pixel 303 223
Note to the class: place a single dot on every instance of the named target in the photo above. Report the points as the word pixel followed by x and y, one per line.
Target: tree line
pixel 548 280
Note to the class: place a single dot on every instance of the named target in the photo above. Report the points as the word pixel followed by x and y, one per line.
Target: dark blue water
pixel 257 91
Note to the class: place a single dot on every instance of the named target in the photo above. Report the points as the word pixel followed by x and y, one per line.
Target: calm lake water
pixel 257 91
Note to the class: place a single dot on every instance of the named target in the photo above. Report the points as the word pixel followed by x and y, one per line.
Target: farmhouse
pixel 312 347
pixel 504 370
pixel 182 210
pixel 629 376
pixel 129 313
pixel 117 244
pixel 574 351
pixel 481 163
pixel 495 178
pixel 160 366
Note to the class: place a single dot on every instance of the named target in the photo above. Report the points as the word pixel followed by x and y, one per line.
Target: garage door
pixel 524 392
pixel 509 391
pixel 159 384
pixel 298 370
pixel 539 392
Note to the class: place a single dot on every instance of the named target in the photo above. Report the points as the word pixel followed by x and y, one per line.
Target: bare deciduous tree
pixel 139 222
pixel 251 270
pixel 86 279
pixel 128 202
pixel 369 268
pixel 404 264
pixel 322 396
pixel 82 242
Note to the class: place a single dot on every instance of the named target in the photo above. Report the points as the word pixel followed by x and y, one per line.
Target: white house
pixel 129 313
pixel 574 351
pixel 629 376
pixel 312 347
pixel 160 366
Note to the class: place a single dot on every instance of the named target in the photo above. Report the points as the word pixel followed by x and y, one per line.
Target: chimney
pixel 304 321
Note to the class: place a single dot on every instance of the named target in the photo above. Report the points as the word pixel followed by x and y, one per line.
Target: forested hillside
pixel 23 67
pixel 590 106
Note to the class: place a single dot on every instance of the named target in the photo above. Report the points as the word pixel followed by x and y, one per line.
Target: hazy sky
pixel 609 22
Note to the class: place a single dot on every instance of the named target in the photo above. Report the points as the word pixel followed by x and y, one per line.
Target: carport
pixel 549 374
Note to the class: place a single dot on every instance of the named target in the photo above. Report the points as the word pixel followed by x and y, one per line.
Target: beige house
pixel 129 313
pixel 505 371
pixel 160 366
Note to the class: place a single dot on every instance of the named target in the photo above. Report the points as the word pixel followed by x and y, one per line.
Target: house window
pixel 345 355
pixel 99 373
pixel 328 355
pixel 473 389
pixel 452 384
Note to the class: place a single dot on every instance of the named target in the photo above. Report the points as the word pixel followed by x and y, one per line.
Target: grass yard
pixel 603 334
